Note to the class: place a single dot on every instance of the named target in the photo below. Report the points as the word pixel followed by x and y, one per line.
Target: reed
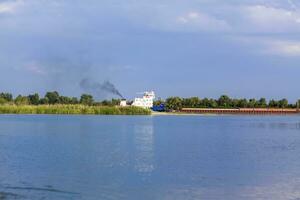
pixel 77 109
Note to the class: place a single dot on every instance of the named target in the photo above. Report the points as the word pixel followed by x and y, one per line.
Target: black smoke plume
pixel 99 88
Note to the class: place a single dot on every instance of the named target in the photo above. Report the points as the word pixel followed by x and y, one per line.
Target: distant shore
pixel 79 109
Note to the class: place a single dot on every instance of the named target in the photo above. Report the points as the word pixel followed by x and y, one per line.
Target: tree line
pixel 171 103
pixel 224 101
pixel 52 98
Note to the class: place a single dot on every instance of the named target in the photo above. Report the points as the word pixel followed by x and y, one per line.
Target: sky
pixel 205 48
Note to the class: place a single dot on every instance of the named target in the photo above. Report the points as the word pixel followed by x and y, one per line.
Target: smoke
pixel 99 88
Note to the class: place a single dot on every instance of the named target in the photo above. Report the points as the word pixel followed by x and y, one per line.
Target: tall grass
pixel 73 110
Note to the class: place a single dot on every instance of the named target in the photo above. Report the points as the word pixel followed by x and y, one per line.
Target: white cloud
pixel 283 48
pixel 175 16
pixel 270 45
pixel 10 6
pixel 35 68
pixel 261 18
pixel 200 21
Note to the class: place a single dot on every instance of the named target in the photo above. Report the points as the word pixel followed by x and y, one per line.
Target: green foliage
pixel 173 103
pixel 53 103
pixel 262 102
pixel 158 102
pixel 72 110
pixel 252 103
pixel 34 99
pixel 86 99
pixel 21 100
pixel 74 100
pixel 273 104
pixel 283 103
pixel 2 101
pixel 224 101
pixel 176 103
pixel 53 97
pixel 113 102
pixel 65 100
pixel 242 103
pixel 44 101
pixel 7 96
pixel 194 102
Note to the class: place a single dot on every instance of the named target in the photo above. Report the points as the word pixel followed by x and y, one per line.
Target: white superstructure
pixel 123 103
pixel 146 101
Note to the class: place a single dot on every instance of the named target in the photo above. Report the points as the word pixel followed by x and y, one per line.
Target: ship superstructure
pixel 146 101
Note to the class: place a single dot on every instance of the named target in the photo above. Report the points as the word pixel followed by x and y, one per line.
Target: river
pixel 149 157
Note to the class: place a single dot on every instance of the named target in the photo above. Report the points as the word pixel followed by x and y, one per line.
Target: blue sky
pixel 205 48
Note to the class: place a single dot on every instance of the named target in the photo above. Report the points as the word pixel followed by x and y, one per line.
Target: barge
pixel 258 111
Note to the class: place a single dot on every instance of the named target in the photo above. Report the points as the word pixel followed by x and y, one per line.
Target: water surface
pixel 149 157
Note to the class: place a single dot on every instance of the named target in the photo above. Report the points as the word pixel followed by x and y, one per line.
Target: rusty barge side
pixel 250 111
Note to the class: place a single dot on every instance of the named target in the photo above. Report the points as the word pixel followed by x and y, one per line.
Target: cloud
pixel 283 48
pixel 233 17
pixel 35 68
pixel 8 7
pixel 201 21
pixel 270 45
pixel 262 18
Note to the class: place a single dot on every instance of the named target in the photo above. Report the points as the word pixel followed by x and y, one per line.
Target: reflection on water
pixel 144 147
pixel 288 190
pixel 273 125
pixel 160 158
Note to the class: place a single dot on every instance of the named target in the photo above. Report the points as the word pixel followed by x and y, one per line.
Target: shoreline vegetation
pixel 225 102
pixel 54 103
pixel 72 110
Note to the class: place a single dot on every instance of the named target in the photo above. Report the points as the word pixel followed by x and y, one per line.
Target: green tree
pixel 34 99
pixel 283 103
pixel 185 103
pixel 21 100
pixel 53 97
pixel 252 103
pixel 224 101
pixel 243 103
pixel 235 103
pixel 115 102
pixel 2 101
pixel 74 100
pixel 195 102
pixel 7 96
pixel 273 103
pixel 212 103
pixel 112 102
pixel 105 103
pixel 44 101
pixel 65 100
pixel 158 102
pixel 205 103
pixel 86 99
pixel 262 102
pixel 173 103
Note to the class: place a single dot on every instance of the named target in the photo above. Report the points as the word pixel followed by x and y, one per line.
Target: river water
pixel 149 157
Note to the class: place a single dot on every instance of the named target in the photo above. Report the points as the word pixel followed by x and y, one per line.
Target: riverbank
pixel 79 109
pixel 73 110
